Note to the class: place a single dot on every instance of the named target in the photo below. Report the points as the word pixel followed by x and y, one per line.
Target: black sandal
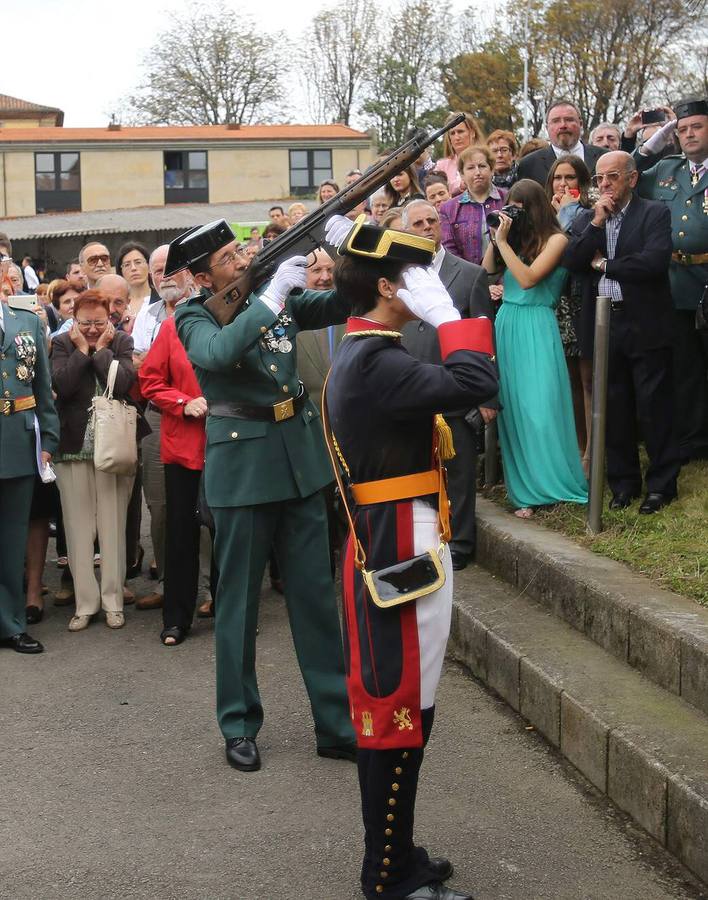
pixel 176 632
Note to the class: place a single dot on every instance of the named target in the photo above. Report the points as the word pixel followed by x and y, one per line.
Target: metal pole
pixel 491 469
pixel 526 73
pixel 599 414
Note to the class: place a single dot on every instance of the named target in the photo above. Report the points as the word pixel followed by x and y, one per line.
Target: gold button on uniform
pixel 388 848
pixel 263 329
pixel 398 770
pixel 5 375
pixel 391 801
pixel 394 786
pixel 379 889
pixel 388 832
pixel 386 861
pixel 383 874
pixel 682 234
pixel 7 393
pixel 234 434
pixel 273 367
pixel 689 202
pixel 390 817
pixel 684 218
pixel 285 389
pixel 405 755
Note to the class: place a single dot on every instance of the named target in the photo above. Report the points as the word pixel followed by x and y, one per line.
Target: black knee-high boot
pixel 393 866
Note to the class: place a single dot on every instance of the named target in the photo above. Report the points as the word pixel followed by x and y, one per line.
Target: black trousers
pixel 691 377
pixel 181 545
pixel 461 485
pixel 640 392
pixel 388 780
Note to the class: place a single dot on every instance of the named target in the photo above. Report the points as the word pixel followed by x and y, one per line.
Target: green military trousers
pixel 15 504
pixel 297 530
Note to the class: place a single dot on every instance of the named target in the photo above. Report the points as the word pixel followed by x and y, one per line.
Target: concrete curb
pixel 662 634
pixel 640 745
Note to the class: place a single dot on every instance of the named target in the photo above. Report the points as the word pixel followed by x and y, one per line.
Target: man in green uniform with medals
pixel 266 463
pixel 27 416
pixel 681 182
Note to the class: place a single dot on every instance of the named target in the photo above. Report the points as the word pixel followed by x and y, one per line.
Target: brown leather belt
pixel 689 259
pixel 16 404
pixel 278 412
pixel 403 487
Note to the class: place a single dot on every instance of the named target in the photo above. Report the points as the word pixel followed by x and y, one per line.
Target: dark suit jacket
pixel 641 265
pixel 313 360
pixel 468 286
pixel 538 164
pixel 74 379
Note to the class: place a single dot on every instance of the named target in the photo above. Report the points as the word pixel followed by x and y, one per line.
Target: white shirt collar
pixel 438 259
pixel 577 150
pixel 694 165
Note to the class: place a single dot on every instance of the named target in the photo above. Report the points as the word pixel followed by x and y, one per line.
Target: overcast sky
pixel 83 55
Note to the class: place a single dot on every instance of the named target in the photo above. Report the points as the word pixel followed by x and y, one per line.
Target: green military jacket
pixel 669 180
pixel 24 369
pixel 253 361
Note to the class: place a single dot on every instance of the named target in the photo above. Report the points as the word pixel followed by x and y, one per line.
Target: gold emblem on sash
pixel 367 724
pixel 402 718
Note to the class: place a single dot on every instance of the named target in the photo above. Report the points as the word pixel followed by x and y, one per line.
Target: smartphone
pixel 27 302
pixel 652 116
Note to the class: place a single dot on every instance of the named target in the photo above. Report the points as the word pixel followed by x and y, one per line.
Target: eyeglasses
pixel 133 264
pixel 226 260
pixel 101 258
pixel 612 177
pixel 92 323
pixel 502 150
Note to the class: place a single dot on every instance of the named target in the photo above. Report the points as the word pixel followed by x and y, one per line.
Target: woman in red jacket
pixel 168 381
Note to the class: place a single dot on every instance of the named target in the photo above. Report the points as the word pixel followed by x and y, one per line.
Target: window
pixel 57 181
pixel 186 178
pixel 308 168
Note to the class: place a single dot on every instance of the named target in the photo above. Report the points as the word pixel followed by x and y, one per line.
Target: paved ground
pixel 114 785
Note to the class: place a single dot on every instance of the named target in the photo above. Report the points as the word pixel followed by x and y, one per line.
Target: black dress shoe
pixel 343 751
pixel 653 503
pixel 441 868
pixel 34 614
pixel 459 560
pixel 437 891
pixel 242 754
pixel 622 500
pixel 22 643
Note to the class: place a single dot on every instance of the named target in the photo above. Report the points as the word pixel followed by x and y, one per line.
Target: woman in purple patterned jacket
pixel 463 219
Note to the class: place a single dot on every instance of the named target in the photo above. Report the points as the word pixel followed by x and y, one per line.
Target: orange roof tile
pixel 181 133
pixel 14 104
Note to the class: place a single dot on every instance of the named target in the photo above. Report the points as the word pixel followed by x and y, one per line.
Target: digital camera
pixel 515 213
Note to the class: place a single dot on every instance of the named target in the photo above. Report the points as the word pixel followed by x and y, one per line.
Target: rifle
pixel 308 234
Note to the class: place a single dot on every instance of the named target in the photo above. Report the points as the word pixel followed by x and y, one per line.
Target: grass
pixel 670 547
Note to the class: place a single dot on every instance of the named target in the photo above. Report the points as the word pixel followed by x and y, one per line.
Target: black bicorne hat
pixel 373 242
pixel 195 245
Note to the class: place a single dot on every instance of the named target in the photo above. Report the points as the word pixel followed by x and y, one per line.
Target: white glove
pixel 426 297
pixel 336 230
pixel 289 275
pixel 660 138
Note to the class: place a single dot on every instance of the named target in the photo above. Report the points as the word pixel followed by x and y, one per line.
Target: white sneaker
pixel 115 619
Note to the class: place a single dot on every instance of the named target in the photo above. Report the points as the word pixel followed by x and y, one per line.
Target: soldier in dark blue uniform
pixel 681 182
pixel 382 406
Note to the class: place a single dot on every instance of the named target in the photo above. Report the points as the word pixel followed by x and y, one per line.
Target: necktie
pixel 697 174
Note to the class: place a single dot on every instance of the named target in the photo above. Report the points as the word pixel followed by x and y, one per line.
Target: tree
pixel 405 80
pixel 487 83
pixel 339 53
pixel 209 68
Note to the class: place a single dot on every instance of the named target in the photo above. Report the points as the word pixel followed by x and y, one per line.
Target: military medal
pixel 26 353
pixel 22 373
pixel 276 339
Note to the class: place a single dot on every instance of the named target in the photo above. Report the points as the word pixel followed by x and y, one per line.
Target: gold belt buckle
pixel 6 407
pixel 284 410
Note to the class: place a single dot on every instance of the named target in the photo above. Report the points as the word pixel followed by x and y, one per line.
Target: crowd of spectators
pixel 533 234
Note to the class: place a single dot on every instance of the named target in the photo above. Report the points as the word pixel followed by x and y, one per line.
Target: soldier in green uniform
pixel 681 182
pixel 266 463
pixel 26 414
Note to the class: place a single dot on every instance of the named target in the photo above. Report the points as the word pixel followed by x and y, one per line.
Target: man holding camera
pixel 623 248
pixel 680 182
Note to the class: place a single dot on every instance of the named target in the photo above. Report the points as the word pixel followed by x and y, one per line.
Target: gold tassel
pixel 446 447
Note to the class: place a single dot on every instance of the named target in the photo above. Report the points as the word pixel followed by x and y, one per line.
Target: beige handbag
pixel 115 448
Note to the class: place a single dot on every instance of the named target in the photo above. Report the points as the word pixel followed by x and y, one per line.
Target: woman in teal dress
pixel 536 426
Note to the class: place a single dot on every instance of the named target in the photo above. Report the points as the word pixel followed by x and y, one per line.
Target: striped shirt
pixel 609 287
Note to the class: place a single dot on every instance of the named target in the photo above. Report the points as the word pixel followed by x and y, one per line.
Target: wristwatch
pixel 601 265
